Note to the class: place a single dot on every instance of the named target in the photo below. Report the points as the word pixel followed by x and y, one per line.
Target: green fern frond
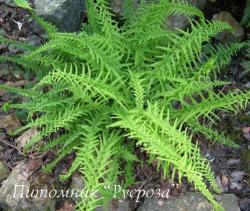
pixel 96 164
pixel 223 53
pixel 23 92
pixel 211 134
pixel 246 17
pixel 85 83
pixel 188 91
pixel 23 3
pixel 92 50
pixel 231 102
pixel 128 11
pixel 138 90
pixel 18 44
pixel 48 27
pixel 154 14
pixel 150 24
pixel 52 122
pixel 187 54
pixel 159 137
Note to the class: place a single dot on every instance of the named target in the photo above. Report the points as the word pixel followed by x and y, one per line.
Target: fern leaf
pixel 158 137
pixel 211 134
pixel 181 61
pixel 231 102
pixel 23 3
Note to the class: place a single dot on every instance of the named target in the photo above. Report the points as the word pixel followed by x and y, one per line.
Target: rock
pixel 77 184
pixel 229 202
pixel 65 14
pixel 237 176
pixel 237 33
pixel 235 186
pixel 24 139
pixel 123 206
pixel 14 189
pixel 4 172
pixel 189 201
pixel 116 6
pixel 245 205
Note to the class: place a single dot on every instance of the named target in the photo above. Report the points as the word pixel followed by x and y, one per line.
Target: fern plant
pixel 110 88
pixel 246 16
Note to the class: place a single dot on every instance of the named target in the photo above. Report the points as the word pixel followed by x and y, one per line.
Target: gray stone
pixel 123 206
pixel 237 34
pixel 116 6
pixel 189 201
pixel 65 14
pixel 4 172
pixel 14 189
pixel 77 183
pixel 245 205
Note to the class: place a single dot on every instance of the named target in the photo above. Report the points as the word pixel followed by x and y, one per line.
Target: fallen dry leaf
pixel 14 84
pixel 10 122
pixel 22 140
pixel 33 165
pixel 218 180
pixel 67 207
pixel 224 180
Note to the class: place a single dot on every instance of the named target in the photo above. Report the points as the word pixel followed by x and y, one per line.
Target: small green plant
pixel 246 17
pixel 109 88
